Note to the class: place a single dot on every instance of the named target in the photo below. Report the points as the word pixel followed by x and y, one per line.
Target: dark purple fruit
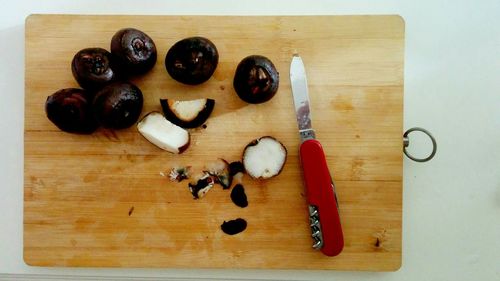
pixel 192 60
pixel 256 79
pixel 94 68
pixel 70 110
pixel 135 50
pixel 118 105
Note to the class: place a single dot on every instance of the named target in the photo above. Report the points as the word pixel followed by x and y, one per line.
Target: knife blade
pixel 324 218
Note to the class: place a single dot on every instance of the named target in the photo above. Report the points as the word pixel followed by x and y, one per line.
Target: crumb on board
pixel 179 174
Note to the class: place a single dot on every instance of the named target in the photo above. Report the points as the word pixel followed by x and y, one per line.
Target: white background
pixel 451 207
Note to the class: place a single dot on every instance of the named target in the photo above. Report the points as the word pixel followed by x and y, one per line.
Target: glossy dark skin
pixel 70 110
pixel 93 68
pixel 192 60
pixel 233 227
pixel 118 105
pixel 238 196
pixel 236 167
pixel 196 122
pixel 256 79
pixel 135 50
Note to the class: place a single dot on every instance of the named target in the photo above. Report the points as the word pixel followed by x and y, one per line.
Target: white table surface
pixel 451 205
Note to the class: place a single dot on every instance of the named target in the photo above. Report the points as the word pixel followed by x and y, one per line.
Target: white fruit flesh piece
pixel 265 159
pixel 187 110
pixel 163 133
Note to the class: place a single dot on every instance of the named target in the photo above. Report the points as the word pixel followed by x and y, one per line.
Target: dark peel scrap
pixel 201 186
pixel 221 172
pixel 236 167
pixel 179 174
pixel 238 196
pixel 233 227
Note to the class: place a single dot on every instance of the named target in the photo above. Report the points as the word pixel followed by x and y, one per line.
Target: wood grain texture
pixel 79 190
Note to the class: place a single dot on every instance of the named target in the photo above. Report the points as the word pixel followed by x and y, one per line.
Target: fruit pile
pixel 108 99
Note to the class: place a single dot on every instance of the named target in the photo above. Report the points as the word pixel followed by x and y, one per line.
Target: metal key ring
pixel 406 143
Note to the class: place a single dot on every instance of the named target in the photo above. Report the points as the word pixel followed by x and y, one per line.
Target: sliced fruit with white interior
pixel 163 133
pixel 264 157
pixel 187 113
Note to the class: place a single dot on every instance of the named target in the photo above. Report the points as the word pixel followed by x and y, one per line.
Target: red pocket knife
pixel 320 189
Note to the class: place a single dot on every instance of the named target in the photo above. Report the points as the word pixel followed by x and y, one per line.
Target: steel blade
pixel 300 94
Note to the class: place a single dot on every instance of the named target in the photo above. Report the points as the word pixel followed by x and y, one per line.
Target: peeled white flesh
pixel 265 159
pixel 163 133
pixel 187 110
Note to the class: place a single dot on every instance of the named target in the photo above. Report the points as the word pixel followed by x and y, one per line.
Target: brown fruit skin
pixel 118 105
pixel 196 122
pixel 186 146
pixel 192 60
pixel 135 50
pixel 70 110
pixel 93 68
pixel 256 79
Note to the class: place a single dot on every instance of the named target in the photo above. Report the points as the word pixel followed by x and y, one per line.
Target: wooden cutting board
pixel 99 200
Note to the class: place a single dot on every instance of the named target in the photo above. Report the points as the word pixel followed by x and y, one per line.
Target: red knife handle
pixel 320 193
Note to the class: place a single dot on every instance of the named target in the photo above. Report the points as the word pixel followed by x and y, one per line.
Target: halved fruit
pixel 264 157
pixel 188 113
pixel 163 133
